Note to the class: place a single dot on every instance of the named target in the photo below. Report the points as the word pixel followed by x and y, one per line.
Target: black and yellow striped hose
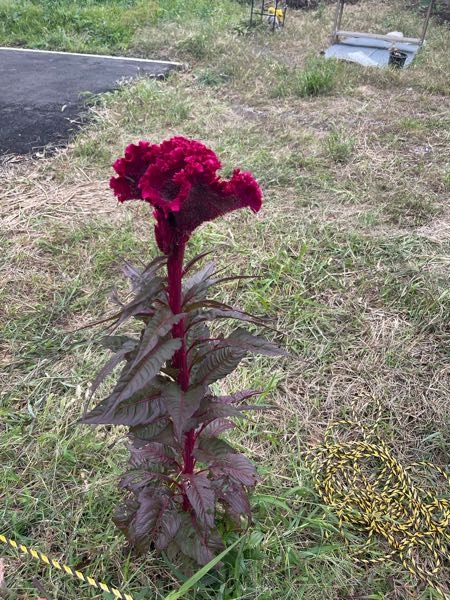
pixel 371 492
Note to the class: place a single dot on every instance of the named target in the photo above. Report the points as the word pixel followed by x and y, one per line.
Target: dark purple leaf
pixel 216 427
pixel 237 397
pixel 238 467
pixel 138 277
pixel 137 377
pixel 195 543
pixel 210 411
pixel 197 488
pixel 117 343
pixel 182 405
pixel 169 525
pixel 235 498
pixel 150 505
pixel 141 302
pixel 156 329
pixel 196 286
pixel 245 341
pixel 216 364
pixel 124 514
pixel 160 431
pixel 208 310
pixel 143 407
pixel 209 449
pixel 137 479
pixel 196 332
pixel 111 364
pixel 194 261
pixel 153 452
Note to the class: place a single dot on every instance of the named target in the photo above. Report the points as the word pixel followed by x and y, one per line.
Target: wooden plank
pixel 376 36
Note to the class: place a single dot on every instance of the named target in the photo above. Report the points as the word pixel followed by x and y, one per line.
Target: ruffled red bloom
pixel 179 179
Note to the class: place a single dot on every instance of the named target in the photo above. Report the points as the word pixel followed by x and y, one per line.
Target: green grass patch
pixel 94 26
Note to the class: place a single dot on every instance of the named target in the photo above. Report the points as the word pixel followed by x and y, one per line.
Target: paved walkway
pixel 40 91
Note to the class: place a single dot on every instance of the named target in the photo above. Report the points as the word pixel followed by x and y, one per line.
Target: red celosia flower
pixel 178 178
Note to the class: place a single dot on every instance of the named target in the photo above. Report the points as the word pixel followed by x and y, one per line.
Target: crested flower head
pixel 179 179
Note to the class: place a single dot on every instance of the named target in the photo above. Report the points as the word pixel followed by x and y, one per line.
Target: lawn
pixel 352 252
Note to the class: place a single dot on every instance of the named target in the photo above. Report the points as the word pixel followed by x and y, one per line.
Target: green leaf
pixel 189 584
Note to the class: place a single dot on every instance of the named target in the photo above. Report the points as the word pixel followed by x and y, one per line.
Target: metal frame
pixel 338 33
pixel 264 11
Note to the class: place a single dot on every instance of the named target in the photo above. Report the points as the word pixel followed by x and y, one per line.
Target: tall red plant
pixel 183 477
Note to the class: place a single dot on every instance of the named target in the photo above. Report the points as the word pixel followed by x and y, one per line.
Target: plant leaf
pixel 137 479
pixel 150 505
pixel 209 449
pixel 158 327
pixel 187 585
pixel 141 302
pixel 160 431
pixel 168 528
pixel 143 407
pixel 182 405
pixel 194 542
pixel 197 488
pixel 235 498
pixel 116 343
pixel 210 411
pixel 195 287
pixel 245 341
pixel 208 310
pixel 137 377
pixel 237 397
pixel 238 467
pixel 111 364
pixel 137 277
pixel 195 260
pixel 216 427
pixel 153 452
pixel 216 364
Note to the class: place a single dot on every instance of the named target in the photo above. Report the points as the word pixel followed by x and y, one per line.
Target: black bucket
pixel 397 58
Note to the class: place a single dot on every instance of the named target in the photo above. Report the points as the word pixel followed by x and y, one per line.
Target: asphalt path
pixel 41 93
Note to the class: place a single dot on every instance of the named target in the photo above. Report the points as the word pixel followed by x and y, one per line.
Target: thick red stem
pixel 180 358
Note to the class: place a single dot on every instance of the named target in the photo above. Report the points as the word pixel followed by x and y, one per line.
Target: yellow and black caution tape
pixel 64 568
pixel 370 491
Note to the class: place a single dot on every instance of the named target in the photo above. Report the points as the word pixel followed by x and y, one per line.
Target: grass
pixel 352 251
